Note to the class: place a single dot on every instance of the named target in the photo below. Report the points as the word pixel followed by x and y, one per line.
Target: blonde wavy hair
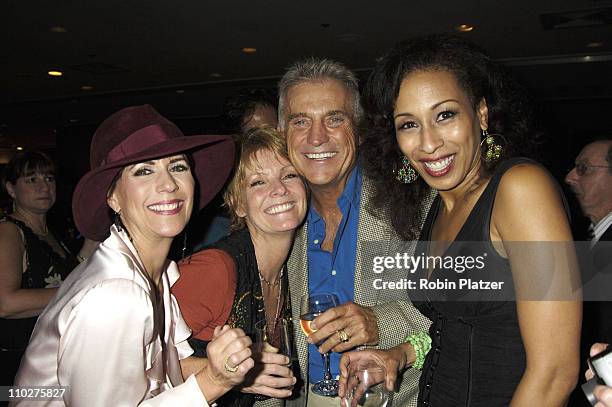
pixel 248 144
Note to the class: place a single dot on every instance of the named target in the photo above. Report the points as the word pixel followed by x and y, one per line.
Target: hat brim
pixel 212 164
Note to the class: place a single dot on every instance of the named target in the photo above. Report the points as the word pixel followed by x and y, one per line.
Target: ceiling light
pixel 215 75
pixel 55 73
pixel 249 50
pixel 19 148
pixel 87 88
pixel 465 28
pixel 587 58
pixel 57 29
pixel 180 91
pixel 595 44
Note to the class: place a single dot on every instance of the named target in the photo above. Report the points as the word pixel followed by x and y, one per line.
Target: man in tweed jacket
pixel 319 110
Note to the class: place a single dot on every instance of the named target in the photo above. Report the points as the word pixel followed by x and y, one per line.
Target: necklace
pixel 268 283
pixel 278 301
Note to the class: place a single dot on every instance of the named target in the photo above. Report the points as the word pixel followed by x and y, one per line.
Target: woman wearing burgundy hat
pixel 114 336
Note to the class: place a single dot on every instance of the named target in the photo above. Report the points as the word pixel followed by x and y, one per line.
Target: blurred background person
pixel 438 106
pixel 252 107
pixel 591 182
pixel 242 278
pixel 114 334
pixel 33 259
pixel 249 108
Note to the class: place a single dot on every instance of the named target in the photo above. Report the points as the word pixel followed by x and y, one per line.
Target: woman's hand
pixel 272 376
pixel 229 360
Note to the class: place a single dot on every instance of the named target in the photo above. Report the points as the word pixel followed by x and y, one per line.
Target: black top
pixel 477 356
pixel 248 305
pixel 45 269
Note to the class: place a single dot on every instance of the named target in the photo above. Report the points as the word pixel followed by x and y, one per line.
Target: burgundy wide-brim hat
pixel 137 134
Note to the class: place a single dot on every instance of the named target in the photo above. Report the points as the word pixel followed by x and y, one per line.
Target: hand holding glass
pixel 311 306
pixel 366 385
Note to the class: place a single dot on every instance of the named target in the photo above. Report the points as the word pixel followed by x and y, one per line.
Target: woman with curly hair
pixel 437 107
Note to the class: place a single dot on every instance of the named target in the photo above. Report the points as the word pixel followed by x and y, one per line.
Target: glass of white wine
pixel 311 306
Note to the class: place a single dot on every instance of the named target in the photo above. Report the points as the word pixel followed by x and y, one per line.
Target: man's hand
pixel 350 321
pixel 271 376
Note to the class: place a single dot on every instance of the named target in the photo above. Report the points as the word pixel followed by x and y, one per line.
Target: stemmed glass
pixel 366 385
pixel 311 306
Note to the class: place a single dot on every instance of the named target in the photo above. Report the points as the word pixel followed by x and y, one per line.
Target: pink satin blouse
pixel 101 337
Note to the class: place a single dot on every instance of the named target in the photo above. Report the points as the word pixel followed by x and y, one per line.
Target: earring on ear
pixel 489 146
pixel 406 174
pixel 117 221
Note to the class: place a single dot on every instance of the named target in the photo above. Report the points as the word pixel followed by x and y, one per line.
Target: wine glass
pixel 366 385
pixel 311 306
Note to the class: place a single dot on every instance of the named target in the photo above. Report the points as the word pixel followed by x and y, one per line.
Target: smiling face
pixel 154 198
pixel 438 129
pixel 33 192
pixel 320 134
pixel 274 198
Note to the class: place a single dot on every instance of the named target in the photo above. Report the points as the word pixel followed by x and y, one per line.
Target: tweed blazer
pixel 397 317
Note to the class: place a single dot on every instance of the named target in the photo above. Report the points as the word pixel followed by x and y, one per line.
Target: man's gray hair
pixel 318 70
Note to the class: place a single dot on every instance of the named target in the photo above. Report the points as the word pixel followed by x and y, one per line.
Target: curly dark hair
pixel 239 107
pixel 509 114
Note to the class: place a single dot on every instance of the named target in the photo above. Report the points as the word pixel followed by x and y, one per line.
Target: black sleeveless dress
pixel 477 356
pixel 45 269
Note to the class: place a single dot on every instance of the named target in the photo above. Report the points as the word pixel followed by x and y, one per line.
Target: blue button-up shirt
pixel 333 272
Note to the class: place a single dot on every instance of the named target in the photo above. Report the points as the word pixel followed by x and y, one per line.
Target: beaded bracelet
pixel 421 342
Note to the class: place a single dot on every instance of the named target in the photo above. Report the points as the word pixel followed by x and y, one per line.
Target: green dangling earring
pixel 406 174
pixel 493 150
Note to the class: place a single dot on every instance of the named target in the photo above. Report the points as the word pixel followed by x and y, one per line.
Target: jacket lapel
pixel 373 237
pixel 297 266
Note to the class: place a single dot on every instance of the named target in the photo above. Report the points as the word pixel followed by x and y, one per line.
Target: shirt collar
pixel 350 194
pixel 601 227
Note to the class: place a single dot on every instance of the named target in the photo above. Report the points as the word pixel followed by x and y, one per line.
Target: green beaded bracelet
pixel 421 342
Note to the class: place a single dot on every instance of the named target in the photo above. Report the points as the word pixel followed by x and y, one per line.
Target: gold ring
pixel 227 366
pixel 344 337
